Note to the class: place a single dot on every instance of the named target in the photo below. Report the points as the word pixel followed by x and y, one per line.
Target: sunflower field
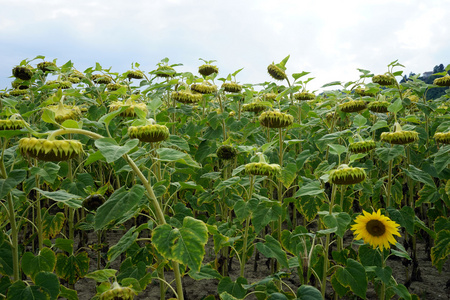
pixel 159 184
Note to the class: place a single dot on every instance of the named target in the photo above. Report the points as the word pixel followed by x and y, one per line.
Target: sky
pixel 328 38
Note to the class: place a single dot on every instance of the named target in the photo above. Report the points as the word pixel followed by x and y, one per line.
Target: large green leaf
pixel 369 256
pixel 48 172
pixel 21 291
pixel 266 212
pixel 272 249
pixel 173 155
pixel 121 202
pixel 73 267
pixel 185 245
pixel 234 289
pixel 404 217
pixel 123 244
pixel 309 206
pixel 44 261
pixel 442 159
pixel 72 201
pixel 288 174
pixel 441 250
pixel 49 283
pixel 102 275
pixel 419 175
pixel 52 225
pixel 354 277
pixel 113 151
pixel 309 189
pixel 14 178
pixel 308 292
pixel 6 260
pixel 388 154
pixel 243 209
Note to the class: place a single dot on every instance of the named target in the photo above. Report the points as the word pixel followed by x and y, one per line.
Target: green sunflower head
pixel 384 79
pixel 232 87
pixel 275 119
pixel 352 106
pixel 442 81
pixel 207 69
pixel 362 146
pixel 23 72
pixel 345 175
pixel 226 152
pixel 276 72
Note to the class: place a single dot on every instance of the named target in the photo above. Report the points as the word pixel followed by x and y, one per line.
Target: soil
pixel 432 284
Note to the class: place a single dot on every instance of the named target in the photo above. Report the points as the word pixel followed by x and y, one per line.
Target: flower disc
pixel 48 150
pixel 275 119
pixel 375 229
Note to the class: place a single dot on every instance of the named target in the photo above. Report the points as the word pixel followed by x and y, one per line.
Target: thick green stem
pixel 14 238
pixel 2 161
pixel 389 185
pixel 247 226
pixel 383 285
pixel 327 245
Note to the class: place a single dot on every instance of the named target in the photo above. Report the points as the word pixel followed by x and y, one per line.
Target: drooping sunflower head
pixel 378 106
pixel 362 91
pixel 256 106
pixel 207 69
pixel 151 133
pixel 134 74
pixel 362 146
pixel 304 96
pixel 402 137
pixel 101 78
pixel 13 123
pixel 18 92
pixel 345 175
pixel 275 119
pixel 262 168
pixel 442 137
pixel 50 150
pixel 117 292
pixel 204 88
pixel 276 72
pixel 165 71
pixel 130 111
pixel 46 66
pixel 113 86
pixel 353 106
pixel 20 84
pixel 23 72
pixel 384 79
pixel 375 229
pixel 232 87
pixel 226 152
pixel 442 81
pixel 186 96
pixel 59 84
pixel 269 96
pixel 65 112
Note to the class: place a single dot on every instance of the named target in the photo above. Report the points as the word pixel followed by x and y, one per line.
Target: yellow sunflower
pixel 375 229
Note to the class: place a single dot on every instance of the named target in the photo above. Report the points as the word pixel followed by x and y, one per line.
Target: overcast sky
pixel 328 38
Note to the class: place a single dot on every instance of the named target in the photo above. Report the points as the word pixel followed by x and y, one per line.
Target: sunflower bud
pixel 48 150
pixel 22 72
pixel 442 81
pixel 385 80
pixel 362 146
pixel 151 133
pixel 275 119
pixel 352 106
pixel 232 87
pixel 276 72
pixel 118 292
pixel 207 69
pixel 304 96
pixel 345 175
pixel 226 152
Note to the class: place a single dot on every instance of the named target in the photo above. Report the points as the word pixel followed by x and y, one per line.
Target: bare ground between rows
pixel 433 285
